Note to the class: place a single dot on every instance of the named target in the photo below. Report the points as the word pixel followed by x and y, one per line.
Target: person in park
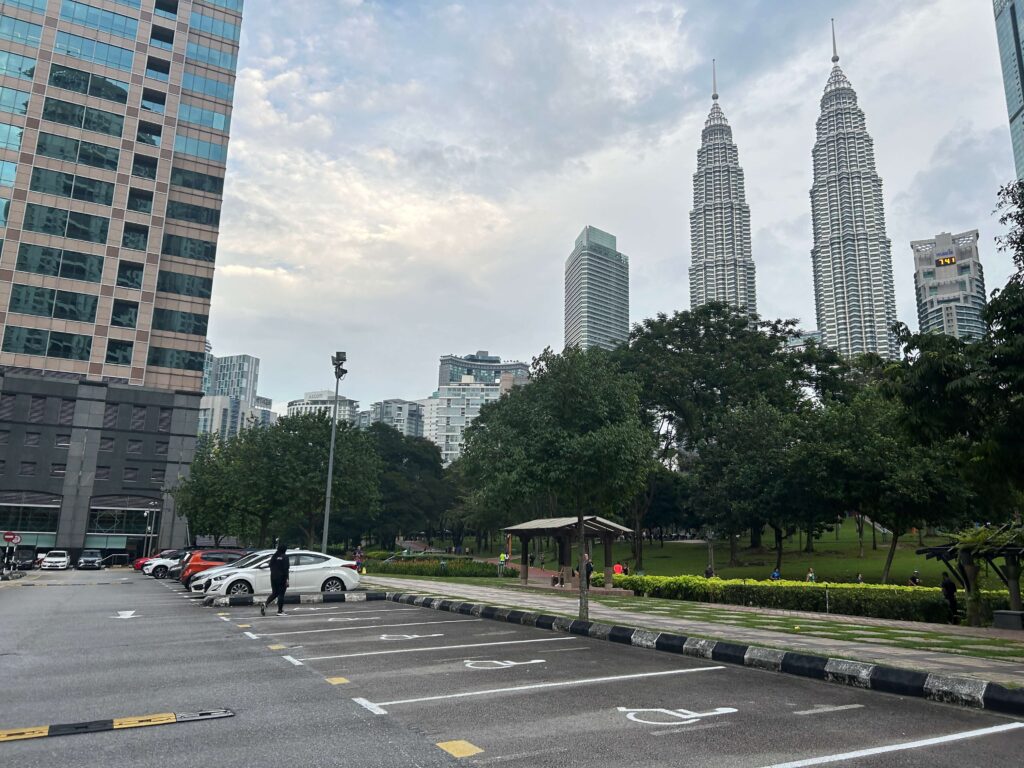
pixel 915 579
pixel 949 592
pixel 860 578
pixel 588 567
pixel 810 575
pixel 278 580
pixel 617 568
pixel 709 572
pixel 501 563
pixel 775 575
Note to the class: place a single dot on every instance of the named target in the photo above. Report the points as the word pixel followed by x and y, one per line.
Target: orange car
pixel 204 559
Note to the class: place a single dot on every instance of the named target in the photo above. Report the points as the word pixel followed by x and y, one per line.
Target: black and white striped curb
pixel 317 597
pixel 967 692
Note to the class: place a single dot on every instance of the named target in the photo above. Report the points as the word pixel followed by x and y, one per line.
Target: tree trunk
pixel 888 558
pixel 810 538
pixel 734 554
pixel 1011 569
pixel 971 568
pixel 860 535
pixel 755 535
pixel 874 535
pixel 638 541
pixel 778 548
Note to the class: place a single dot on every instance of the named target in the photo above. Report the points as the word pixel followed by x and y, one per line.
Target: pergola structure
pixel 565 530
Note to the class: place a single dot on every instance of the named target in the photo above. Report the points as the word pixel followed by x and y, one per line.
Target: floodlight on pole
pixel 338 360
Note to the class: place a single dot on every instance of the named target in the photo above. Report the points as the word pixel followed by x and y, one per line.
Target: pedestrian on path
pixel 278 580
pixel 501 564
pixel 810 575
pixel 588 567
pixel 949 592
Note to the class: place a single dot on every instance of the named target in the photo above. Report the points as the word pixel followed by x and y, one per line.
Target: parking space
pixel 496 692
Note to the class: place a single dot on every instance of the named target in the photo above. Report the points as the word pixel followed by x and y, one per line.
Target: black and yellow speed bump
pixel 113 724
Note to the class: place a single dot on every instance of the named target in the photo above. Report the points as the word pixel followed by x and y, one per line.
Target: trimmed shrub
pixel 432 567
pixel 880 601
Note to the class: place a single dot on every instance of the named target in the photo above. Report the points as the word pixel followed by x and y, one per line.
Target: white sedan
pixel 308 571
pixel 201 581
pixel 57 560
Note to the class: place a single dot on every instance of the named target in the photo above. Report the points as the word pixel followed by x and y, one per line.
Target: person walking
pixel 810 575
pixel 278 580
pixel 949 592
pixel 588 567
pixel 501 563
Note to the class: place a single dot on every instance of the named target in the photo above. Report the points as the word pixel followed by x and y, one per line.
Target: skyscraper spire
pixel 835 51
pixel 721 267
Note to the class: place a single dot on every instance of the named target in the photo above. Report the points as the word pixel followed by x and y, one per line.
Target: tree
pixel 202 497
pixel 572 436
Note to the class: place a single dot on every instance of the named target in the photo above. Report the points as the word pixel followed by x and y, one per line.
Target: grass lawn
pixel 832 560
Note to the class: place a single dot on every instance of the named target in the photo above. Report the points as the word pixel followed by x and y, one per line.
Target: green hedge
pixel 878 601
pixel 424 567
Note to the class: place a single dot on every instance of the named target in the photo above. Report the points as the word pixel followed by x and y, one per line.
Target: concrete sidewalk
pixel 923 659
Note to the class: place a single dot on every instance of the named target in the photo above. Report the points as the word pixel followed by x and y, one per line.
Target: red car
pixel 141 561
pixel 205 559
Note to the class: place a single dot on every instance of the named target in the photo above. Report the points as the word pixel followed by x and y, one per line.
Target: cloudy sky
pixel 406 179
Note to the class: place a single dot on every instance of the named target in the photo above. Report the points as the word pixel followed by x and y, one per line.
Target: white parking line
pixel 378 708
pixel 820 710
pixel 899 747
pixel 439 648
pixel 293 660
pixel 370 626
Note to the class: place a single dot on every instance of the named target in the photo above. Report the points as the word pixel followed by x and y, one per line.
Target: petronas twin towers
pixel 851 255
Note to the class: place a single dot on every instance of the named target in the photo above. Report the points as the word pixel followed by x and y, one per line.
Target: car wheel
pixel 160 572
pixel 333 584
pixel 239 588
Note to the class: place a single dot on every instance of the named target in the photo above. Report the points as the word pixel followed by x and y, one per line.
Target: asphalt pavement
pixel 384 683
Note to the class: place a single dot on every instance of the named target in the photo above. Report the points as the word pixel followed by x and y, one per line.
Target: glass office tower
pixel 114 121
pixel 1011 56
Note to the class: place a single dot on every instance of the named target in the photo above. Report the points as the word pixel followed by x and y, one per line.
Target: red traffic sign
pixel 11 537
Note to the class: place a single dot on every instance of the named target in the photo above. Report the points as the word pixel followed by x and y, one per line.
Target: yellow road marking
pixel 336 680
pixel 16 734
pixel 277 647
pixel 244 626
pixel 140 721
pixel 223 613
pixel 459 748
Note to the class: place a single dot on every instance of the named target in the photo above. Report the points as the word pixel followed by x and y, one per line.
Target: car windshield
pixel 57 553
pixel 91 553
pixel 249 560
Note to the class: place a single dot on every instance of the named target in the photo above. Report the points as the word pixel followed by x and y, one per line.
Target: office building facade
pixel 113 142
pixel 1011 56
pixel 482 366
pixel 721 266
pixel 854 294
pixel 950 285
pixel 322 401
pixel 404 415
pixel 596 292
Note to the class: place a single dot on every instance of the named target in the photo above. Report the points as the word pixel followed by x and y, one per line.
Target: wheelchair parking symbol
pixel 408 637
pixel 671 716
pixel 494 664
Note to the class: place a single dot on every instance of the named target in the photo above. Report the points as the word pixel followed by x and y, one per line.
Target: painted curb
pixel 962 691
pixel 318 597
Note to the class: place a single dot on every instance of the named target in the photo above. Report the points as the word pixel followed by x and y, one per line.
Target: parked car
pixel 138 562
pixel 56 560
pixel 205 559
pixel 90 558
pixel 159 566
pixel 201 581
pixel 308 572
pixel 25 559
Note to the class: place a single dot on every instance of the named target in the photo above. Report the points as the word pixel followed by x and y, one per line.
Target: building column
pixel 608 573
pixel 524 559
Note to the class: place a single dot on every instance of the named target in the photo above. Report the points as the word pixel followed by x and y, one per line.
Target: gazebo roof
pixel 551 526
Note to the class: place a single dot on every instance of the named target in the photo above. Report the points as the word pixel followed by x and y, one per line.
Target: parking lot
pixel 367 683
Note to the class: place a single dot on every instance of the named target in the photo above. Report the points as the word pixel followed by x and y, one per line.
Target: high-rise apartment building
pixel 721 268
pixel 596 292
pixel 404 415
pixel 231 402
pixel 950 285
pixel 235 376
pixel 1011 55
pixel 853 286
pixel 322 401
pixel 482 366
pixel 114 118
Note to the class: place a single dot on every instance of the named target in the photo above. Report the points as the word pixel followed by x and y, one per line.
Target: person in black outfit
pixel 278 580
pixel 949 592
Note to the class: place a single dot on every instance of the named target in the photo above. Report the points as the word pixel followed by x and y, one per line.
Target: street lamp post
pixel 338 360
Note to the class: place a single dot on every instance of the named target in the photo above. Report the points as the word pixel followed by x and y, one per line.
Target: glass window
pixel 39 6
pixel 31 300
pixel 69 346
pixel 98 156
pixel 87 267
pixel 64 112
pixel 215 27
pixel 8 173
pixel 199 84
pixel 179 322
pixel 144 167
pixel 51 182
pixel 80 307
pixel 184 285
pixel 98 19
pixel 108 88
pixel 25 341
pixel 47 220
pixel 102 121
pixel 93 50
pixel 38 259
pixel 211 56
pixel 149 133
pixel 14 101
pixel 134 446
pixel 69 79
pixel 93 190
pixel 16 65
pixel 207 150
pixel 189 248
pixel 58 147
pixel 176 358
pixel 119 352
pixel 10 136
pixel 135 237
pixel 83 226
pixel 231 5
pixel 140 200
pixel 204 182
pixel 154 101
pixel 131 474
pixel 167 9
pixel 158 69
pixel 125 314
pixel 76 80
pixel 129 274
pixel 19 31
pixel 197 214
pixel 102 473
pixel 190 113
pixel 160 37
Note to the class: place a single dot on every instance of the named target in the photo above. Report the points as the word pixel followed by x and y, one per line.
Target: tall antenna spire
pixel 835 52
pixel 714 81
